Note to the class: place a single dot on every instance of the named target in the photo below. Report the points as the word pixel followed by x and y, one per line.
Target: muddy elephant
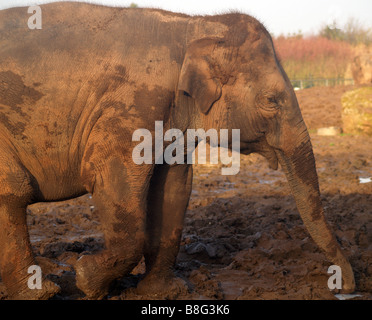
pixel 73 93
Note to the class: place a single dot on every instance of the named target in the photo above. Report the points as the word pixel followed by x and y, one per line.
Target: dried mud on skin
pixel 243 237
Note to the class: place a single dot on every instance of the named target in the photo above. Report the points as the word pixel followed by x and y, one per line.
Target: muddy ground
pixel 243 237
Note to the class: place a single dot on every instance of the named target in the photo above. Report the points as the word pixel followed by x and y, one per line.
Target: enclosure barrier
pixel 308 83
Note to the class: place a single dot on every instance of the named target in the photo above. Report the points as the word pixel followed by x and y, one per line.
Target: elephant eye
pixel 272 100
pixel 268 102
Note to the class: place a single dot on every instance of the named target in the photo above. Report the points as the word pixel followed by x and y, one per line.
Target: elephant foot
pixel 348 284
pixel 348 280
pixel 91 277
pixel 162 286
pixel 47 291
pixel 95 273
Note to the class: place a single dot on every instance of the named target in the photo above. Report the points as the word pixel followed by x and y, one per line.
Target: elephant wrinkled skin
pixel 73 93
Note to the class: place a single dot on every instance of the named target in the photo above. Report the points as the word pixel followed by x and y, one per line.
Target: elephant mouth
pixel 263 148
pixel 272 160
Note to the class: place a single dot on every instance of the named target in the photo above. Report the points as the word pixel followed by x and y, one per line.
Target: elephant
pixel 73 92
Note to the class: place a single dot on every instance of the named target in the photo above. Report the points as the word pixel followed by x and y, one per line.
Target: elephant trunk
pixel 299 167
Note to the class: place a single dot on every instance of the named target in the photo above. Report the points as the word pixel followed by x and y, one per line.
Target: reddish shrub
pixel 313 56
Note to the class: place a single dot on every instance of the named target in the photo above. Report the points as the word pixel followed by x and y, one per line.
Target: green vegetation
pixel 353 32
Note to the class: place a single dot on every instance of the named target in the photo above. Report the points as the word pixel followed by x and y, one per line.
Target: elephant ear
pixel 196 78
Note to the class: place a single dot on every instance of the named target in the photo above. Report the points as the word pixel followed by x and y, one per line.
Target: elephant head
pixel 237 82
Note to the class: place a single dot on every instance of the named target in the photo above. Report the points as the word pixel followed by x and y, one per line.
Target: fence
pixel 308 83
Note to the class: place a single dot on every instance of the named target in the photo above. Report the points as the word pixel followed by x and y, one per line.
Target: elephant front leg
pixel 120 195
pixel 168 198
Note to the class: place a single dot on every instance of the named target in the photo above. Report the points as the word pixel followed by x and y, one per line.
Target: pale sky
pixel 279 16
